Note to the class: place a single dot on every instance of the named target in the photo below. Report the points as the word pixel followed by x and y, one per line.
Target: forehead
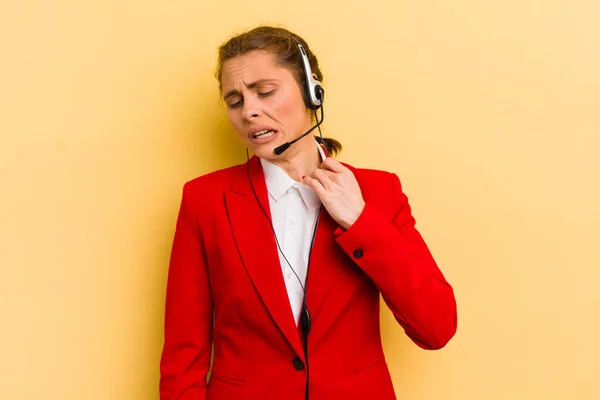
pixel 251 67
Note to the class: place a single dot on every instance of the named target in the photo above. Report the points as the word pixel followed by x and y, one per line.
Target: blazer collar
pixel 254 170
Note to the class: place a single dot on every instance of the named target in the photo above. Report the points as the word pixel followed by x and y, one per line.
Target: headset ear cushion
pixel 319 93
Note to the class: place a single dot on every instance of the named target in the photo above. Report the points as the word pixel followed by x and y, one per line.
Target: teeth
pixel 264 133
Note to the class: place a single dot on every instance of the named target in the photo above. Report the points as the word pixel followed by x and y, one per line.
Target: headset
pixel 313 94
pixel 313 90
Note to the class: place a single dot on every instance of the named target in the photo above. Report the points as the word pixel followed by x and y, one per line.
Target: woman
pixel 279 262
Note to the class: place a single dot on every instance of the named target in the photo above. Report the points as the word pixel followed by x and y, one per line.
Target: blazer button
pixel 298 364
pixel 358 253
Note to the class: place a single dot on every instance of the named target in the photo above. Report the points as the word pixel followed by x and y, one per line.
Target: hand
pixel 338 190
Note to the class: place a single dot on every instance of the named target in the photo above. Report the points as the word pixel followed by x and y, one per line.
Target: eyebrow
pixel 249 86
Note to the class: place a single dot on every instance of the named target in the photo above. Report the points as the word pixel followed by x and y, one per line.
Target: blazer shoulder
pixel 212 182
pixel 382 189
pixel 369 178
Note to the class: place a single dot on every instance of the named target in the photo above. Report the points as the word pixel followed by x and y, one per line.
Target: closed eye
pixel 267 94
pixel 262 94
pixel 236 104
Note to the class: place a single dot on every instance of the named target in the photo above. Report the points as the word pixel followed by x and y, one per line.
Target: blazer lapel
pixel 257 247
pixel 324 263
pixel 329 276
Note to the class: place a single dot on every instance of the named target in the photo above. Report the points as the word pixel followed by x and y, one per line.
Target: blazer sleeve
pixel 188 321
pixel 396 258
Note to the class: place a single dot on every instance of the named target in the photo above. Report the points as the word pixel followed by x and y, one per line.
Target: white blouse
pixel 294 209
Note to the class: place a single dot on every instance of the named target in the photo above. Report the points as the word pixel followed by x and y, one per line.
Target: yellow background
pixel 487 110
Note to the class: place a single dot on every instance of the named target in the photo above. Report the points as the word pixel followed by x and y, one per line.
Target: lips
pixel 264 137
pixel 262 131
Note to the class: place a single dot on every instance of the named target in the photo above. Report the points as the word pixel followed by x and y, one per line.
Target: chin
pixel 266 151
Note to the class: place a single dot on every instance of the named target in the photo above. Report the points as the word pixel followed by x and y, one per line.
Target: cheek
pixel 288 108
pixel 234 115
pixel 235 119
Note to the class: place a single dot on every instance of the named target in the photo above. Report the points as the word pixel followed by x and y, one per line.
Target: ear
pixel 315 76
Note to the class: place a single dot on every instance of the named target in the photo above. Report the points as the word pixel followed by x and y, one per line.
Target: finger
pixel 324 177
pixel 333 165
pixel 315 185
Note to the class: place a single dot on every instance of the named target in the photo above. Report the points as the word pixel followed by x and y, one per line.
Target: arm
pixel 188 313
pixel 396 258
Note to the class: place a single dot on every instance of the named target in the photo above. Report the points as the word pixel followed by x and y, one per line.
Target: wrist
pixel 349 222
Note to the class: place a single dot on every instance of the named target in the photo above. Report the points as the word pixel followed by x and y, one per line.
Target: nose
pixel 251 109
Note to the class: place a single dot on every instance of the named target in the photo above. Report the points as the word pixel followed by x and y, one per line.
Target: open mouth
pixel 265 133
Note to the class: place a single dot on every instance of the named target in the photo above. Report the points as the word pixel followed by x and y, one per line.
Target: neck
pixel 301 159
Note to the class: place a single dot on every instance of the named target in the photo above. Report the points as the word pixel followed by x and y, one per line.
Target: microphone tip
pixel 282 148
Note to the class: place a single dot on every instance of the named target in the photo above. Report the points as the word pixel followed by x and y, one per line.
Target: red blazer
pixel 225 288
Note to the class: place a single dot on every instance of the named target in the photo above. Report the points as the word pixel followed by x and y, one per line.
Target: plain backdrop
pixel 487 110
